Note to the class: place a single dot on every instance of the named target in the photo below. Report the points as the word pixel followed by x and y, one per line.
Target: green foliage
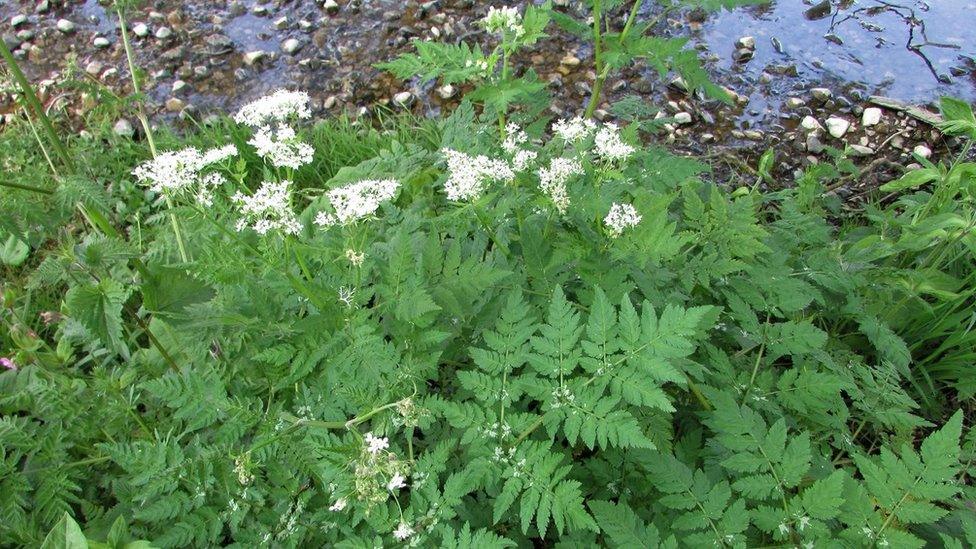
pixel 511 370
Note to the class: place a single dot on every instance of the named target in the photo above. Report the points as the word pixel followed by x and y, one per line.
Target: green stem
pixel 603 71
pixel 35 104
pixel 24 187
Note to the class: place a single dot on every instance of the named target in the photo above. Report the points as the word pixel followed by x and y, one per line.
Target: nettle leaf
pixel 66 534
pixel 98 307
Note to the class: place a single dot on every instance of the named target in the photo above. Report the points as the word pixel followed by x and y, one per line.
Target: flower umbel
pixel 552 180
pixel 468 175
pixel 268 209
pixel 609 146
pixel 504 20
pixel 574 130
pixel 281 147
pixel 403 531
pixel 280 106
pixel 356 201
pixel 620 217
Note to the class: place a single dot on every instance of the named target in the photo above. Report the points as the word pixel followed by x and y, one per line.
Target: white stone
pixel 403 98
pixel 923 151
pixel 123 128
pixel 141 30
pixel 682 118
pixel 163 33
pixel 179 86
pixel 837 126
pixel 330 6
pixel 281 23
pixel 871 116
pixel 861 150
pixel 810 124
pixel 821 94
pixel 747 42
pixel 18 20
pixel 65 26
pixel 101 42
pixel 253 57
pixel 291 46
pixel 446 91
pixel 795 102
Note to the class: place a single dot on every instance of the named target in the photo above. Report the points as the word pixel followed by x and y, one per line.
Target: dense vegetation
pixel 491 330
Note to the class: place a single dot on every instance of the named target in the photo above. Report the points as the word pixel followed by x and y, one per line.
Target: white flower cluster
pixel 374 444
pixel 356 201
pixel 177 171
pixel 468 174
pixel 280 106
pixel 403 531
pixel 552 180
pixel 504 19
pixel 574 130
pixel 268 209
pixel 620 217
pixel 609 146
pixel 281 147
pixel 515 137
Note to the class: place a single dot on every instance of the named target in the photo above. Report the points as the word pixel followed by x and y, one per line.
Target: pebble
pixel 810 124
pixel 65 26
pixel 281 23
pixel 861 150
pixel 331 7
pixel 175 104
pixel 743 55
pixel 141 30
pixel 252 58
pixel 18 20
pixel 179 86
pixel 746 42
pixel 570 61
pixel 821 94
pixel 837 126
pixel 795 102
pixel 101 42
pixel 446 91
pixel 291 46
pixel 330 102
pixel 682 118
pixel 123 128
pixel 814 145
pixel 871 116
pixel 923 151
pixel 163 33
pixel 403 99
pixel 754 135
pixel 94 68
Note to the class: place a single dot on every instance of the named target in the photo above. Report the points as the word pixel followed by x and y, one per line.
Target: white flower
pixel 281 147
pixel 281 106
pixel 354 257
pixel 503 20
pixel 514 138
pixel 208 184
pixel 178 171
pixel 403 531
pixel 339 505
pixel 398 481
pixel 522 159
pixel 468 174
pixel 552 180
pixel 376 444
pixel 609 146
pixel 620 217
pixel 268 209
pixel 574 130
pixel 356 201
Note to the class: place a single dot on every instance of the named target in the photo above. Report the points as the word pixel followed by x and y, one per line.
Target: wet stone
pixel 837 126
pixel 18 20
pixel 124 128
pixel 65 26
pixel 291 46
pixel 821 94
pixel 923 151
pixel 871 116
pixel 163 33
pixel 141 30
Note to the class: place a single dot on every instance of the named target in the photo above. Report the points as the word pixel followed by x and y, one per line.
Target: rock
pixel 330 102
pixel 175 104
pixel 65 26
pixel 837 126
pixel 795 102
pixel 707 137
pixel 163 33
pixel 682 118
pixel 18 20
pixel 252 58
pixel 11 41
pixel 743 55
pixel 101 42
pixel 814 145
pixel 821 94
pixel 861 150
pixel 291 46
pixel 94 68
pixel 810 124
pixel 281 23
pixel 403 99
pixel 331 7
pixel 570 61
pixel 923 151
pixel 260 10
pixel 819 10
pixel 746 42
pixel 42 7
pixel 179 86
pixel 678 84
pixel 123 128
pixel 446 91
pixel 871 116
pixel 141 30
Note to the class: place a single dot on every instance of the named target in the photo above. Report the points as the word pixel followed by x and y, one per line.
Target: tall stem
pixel 603 70
pixel 35 105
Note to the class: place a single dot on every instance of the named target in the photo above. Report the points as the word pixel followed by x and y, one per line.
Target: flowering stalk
pixel 604 70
